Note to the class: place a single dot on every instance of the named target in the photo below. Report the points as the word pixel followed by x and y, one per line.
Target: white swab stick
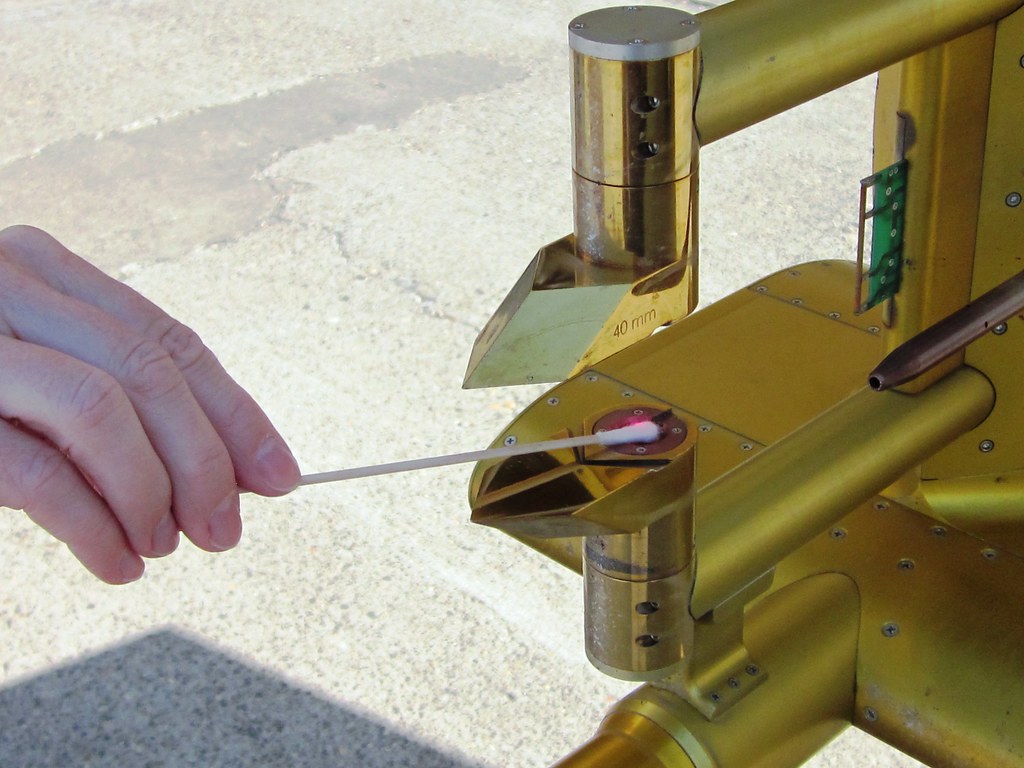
pixel 644 432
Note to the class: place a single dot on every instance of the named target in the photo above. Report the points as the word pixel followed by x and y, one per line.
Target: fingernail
pixel 165 536
pixel 131 567
pixel 276 465
pixel 225 524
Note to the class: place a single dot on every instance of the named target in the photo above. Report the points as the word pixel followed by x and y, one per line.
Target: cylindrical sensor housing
pixel 637 588
pixel 635 74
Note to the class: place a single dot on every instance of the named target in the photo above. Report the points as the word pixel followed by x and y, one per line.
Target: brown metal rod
pixel 950 335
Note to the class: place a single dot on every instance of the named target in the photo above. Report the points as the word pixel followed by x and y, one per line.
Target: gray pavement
pixel 336 195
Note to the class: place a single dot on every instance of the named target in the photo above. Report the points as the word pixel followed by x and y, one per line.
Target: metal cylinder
pixel 764 509
pixel 637 588
pixel 635 74
pixel 806 637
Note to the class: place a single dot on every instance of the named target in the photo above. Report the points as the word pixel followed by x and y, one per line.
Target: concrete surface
pixel 336 195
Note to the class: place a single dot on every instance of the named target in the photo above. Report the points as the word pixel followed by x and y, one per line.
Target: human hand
pixel 118 427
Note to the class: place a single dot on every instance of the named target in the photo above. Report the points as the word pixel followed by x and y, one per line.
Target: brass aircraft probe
pixel 949 336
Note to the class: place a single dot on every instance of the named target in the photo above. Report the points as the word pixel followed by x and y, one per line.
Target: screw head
pixel 715 697
pixel 647 641
pixel 834 315
pixel 640 450
pixel 510 441
pixel 881 506
pixel 753 670
pixel 938 531
pixel 746 447
pixel 797 302
pixel 890 629
pixel 733 682
pixel 986 446
pixel 989 554
pixel 762 289
pixel 837 533
pixel 870 714
pixel 906 564
pixel 1013 199
pixel 627 393
pixel 1000 329
pixel 705 427
pixel 873 329
pixel 592 377
pixel 553 401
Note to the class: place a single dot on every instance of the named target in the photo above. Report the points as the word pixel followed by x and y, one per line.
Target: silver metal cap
pixel 634 33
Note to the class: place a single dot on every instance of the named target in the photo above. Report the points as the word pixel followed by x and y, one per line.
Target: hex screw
pixel 510 441
pixel 986 446
pixel 1000 329
pixel 906 564
pixel 870 714
pixel 1013 199
pixel 890 629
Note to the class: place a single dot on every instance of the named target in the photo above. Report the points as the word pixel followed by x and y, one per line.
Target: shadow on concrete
pixel 167 700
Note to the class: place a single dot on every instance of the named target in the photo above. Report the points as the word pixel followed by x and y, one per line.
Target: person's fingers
pixel 37 478
pixel 204 491
pixel 262 461
pixel 84 413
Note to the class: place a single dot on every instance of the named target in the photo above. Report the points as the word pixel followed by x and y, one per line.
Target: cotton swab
pixel 642 432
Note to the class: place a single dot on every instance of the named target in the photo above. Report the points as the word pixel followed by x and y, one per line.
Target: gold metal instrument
pixel 797 552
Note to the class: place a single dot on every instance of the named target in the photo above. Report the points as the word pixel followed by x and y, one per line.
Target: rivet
pixel 986 446
pixel 906 564
pixel 890 629
pixel 1013 199
pixel 870 714
pixel 1000 329
pixel 510 440
pixel 553 401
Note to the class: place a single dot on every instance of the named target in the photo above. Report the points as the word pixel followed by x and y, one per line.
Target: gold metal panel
pixel 754 362
pixel 940 671
pixel 999 256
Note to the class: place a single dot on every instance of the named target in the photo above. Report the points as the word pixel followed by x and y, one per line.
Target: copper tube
pixel 950 335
